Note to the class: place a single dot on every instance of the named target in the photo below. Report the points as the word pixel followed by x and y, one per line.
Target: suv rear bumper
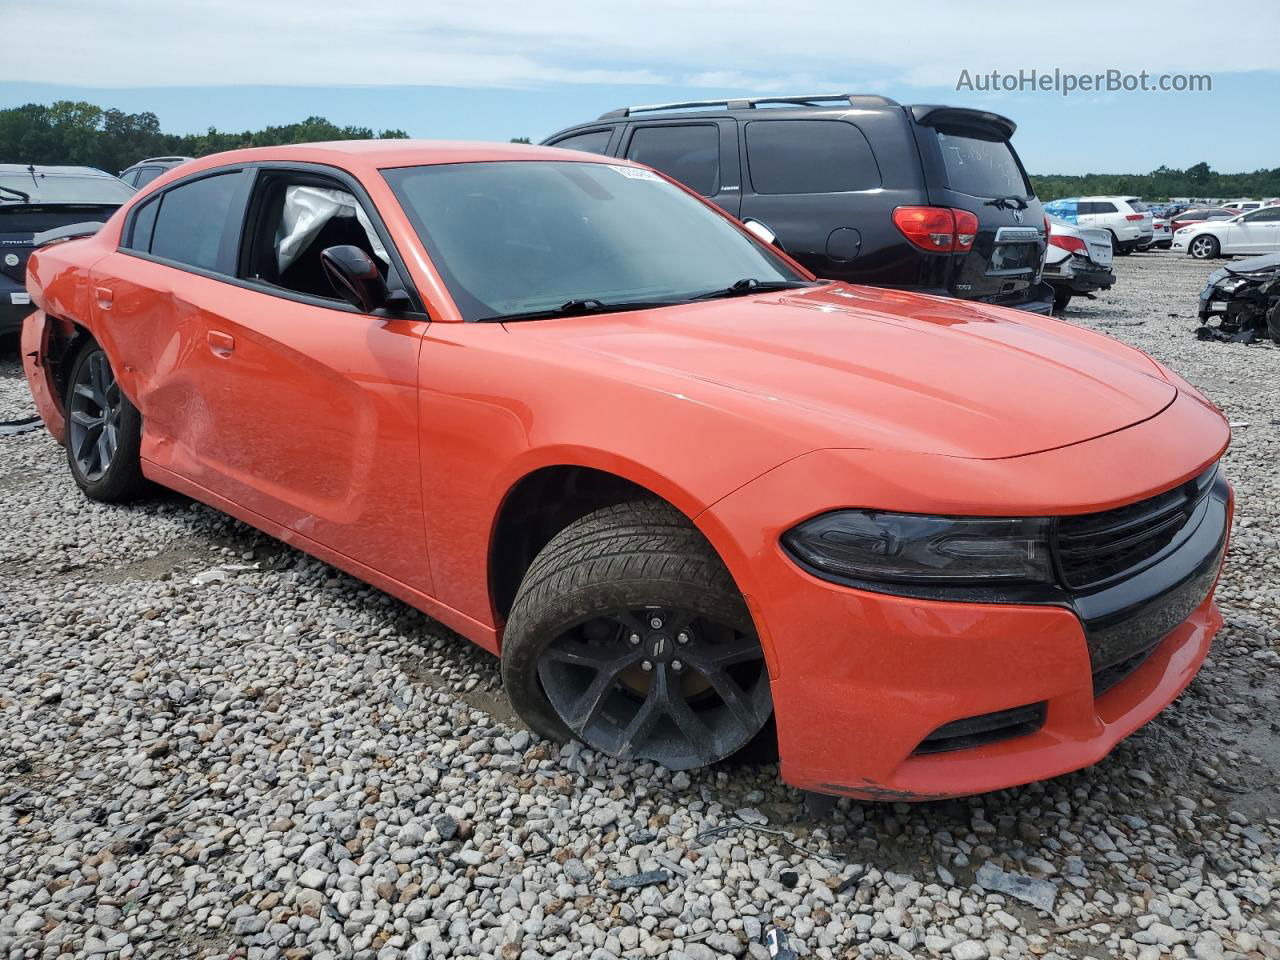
pixel 12 314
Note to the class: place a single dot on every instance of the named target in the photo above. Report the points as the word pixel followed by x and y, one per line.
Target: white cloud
pixel 805 44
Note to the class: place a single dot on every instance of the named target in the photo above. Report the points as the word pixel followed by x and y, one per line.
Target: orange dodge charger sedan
pixel 694 497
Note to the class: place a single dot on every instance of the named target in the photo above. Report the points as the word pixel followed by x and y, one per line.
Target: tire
pixel 1060 299
pixel 103 430
pixel 1204 247
pixel 629 585
pixel 1120 249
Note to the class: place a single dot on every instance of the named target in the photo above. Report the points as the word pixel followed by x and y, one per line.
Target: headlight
pixel 1232 284
pixel 876 546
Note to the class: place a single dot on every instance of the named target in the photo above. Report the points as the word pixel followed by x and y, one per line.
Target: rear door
pixel 701 154
pixel 970 165
pixel 820 187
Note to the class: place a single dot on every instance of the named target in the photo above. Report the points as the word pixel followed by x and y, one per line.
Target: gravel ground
pixel 274 760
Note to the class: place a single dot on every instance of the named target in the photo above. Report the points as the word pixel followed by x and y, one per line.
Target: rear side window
pixel 1104 206
pixel 809 156
pixel 191 220
pixel 981 166
pixel 690 154
pixel 144 223
pixel 597 141
pixel 146 175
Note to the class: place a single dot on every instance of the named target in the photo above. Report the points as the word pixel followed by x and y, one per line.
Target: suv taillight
pixel 937 229
pixel 1133 216
pixel 1070 244
pixel 966 229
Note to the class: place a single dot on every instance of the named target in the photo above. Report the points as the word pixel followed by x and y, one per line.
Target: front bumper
pixel 861 680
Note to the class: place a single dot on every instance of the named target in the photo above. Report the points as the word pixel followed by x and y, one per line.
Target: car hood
pixel 1269 263
pixel 848 366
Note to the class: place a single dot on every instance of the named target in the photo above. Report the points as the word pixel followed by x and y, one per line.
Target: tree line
pixel 83 134
pixel 1161 184
pixel 79 133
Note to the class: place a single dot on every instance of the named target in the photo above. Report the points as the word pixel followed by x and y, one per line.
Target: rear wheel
pixel 103 430
pixel 1060 299
pixel 629 634
pixel 1120 249
pixel 1204 247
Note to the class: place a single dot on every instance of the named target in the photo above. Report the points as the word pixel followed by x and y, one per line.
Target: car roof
pixel 45 170
pixel 386 154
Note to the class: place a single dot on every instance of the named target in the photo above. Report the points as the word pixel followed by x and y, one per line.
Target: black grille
pixel 1098 547
pixel 985 728
pixel 1108 677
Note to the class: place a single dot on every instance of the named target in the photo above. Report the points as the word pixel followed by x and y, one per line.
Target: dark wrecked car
pixel 1245 296
pixel 39 200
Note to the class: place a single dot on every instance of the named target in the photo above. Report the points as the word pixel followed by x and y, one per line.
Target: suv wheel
pixel 1121 249
pixel 629 634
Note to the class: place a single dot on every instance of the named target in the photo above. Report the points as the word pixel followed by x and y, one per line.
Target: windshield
pixel 516 237
pixel 981 166
pixel 63 188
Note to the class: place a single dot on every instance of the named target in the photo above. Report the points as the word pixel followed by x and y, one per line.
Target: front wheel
pixel 103 430
pixel 1060 299
pixel 629 634
pixel 1204 247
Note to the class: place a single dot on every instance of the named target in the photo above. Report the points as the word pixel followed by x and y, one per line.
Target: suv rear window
pixel 809 156
pixel 981 166
pixel 597 141
pixel 688 153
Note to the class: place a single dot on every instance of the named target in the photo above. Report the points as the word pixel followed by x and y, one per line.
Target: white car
pixel 1127 219
pixel 1161 234
pixel 1257 231
pixel 1077 260
pixel 1243 205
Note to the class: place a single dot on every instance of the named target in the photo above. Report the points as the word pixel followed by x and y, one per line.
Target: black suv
pixel 34 200
pixel 855 187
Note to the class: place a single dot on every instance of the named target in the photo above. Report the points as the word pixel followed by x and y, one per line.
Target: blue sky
pixel 506 69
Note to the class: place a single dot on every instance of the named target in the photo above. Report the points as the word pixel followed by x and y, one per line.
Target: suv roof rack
pixel 749 103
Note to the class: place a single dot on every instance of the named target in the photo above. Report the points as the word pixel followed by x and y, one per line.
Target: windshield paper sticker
pixel 635 173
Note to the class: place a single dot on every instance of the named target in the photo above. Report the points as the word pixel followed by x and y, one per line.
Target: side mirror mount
pixel 762 232
pixel 355 277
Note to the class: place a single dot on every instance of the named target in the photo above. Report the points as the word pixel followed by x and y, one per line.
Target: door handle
pixel 104 296
pixel 222 344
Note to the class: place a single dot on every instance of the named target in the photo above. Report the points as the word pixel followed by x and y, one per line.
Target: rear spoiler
pixel 70 231
pixel 930 115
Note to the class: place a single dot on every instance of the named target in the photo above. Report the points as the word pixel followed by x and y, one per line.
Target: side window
pixel 809 156
pixel 144 223
pixel 597 141
pixel 130 177
pixel 1085 207
pixel 146 175
pixel 192 218
pixel 1104 206
pixel 1265 215
pixel 690 154
pixel 293 218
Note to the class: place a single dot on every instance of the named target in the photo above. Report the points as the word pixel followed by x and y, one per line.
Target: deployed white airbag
pixel 306 211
